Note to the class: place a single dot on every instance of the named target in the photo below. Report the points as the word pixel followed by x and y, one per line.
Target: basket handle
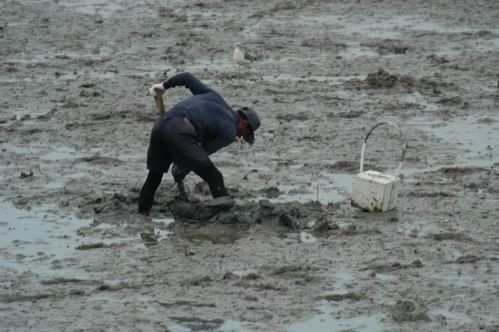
pixel 404 146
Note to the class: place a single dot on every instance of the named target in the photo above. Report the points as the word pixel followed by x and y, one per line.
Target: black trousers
pixel 175 140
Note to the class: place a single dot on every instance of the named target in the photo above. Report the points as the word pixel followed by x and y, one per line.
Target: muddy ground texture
pixel 289 253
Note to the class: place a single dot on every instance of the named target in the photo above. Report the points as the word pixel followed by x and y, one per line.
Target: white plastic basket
pixel 376 191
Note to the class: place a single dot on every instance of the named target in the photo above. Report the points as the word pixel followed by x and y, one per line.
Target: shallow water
pixel 30 240
pixel 232 325
pixel 331 188
pixel 356 51
pixel 33 239
pixel 325 322
pixel 92 7
pixel 476 137
pixel 62 153
pixel 343 278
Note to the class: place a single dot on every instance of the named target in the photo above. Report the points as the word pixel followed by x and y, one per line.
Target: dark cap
pixel 254 122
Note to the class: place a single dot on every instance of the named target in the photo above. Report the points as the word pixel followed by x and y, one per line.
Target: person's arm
pixel 188 81
pixel 216 144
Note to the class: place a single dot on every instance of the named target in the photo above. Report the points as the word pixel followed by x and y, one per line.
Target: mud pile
pixel 381 79
pixel 293 216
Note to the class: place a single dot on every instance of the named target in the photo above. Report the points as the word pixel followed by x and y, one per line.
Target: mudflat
pixel 289 253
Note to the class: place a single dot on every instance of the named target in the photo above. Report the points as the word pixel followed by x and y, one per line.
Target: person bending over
pixel 188 133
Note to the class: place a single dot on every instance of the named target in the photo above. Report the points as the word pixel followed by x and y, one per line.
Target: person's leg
pixel 148 190
pixel 158 162
pixel 215 180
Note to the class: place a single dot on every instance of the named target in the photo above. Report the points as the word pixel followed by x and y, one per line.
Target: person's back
pixel 210 115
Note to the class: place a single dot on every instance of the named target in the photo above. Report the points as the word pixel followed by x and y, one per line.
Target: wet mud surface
pixel 288 252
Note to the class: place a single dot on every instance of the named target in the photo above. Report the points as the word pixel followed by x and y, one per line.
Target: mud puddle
pixel 193 324
pixel 39 239
pixel 331 188
pixel 36 239
pixel 93 7
pixel 324 321
pixel 475 137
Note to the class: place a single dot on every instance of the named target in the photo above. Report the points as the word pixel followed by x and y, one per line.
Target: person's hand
pixel 156 89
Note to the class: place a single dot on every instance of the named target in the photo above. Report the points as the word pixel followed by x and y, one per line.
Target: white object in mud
pixel 376 191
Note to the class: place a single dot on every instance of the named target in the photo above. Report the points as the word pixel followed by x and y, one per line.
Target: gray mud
pixel 289 253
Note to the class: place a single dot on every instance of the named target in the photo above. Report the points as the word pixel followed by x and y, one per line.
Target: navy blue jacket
pixel 214 120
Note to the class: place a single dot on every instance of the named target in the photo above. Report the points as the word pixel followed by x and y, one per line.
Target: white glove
pixel 156 89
